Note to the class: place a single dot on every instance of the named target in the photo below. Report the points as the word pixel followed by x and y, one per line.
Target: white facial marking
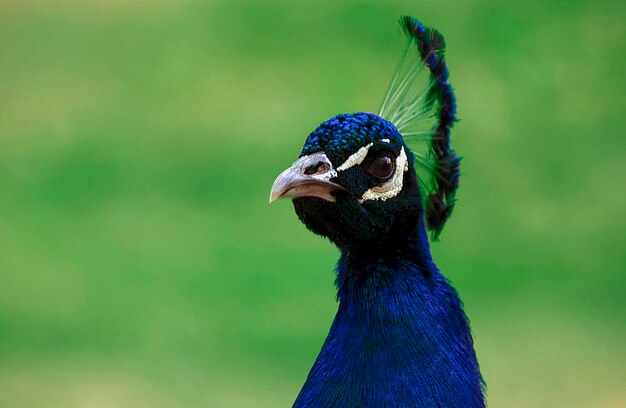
pixel 385 140
pixel 392 187
pixel 356 158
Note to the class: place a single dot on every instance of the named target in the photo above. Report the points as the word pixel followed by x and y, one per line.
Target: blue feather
pixel 399 339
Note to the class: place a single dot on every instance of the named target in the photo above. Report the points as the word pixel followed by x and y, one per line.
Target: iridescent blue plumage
pixel 400 337
pixel 346 132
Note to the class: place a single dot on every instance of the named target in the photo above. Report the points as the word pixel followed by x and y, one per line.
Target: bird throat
pixel 400 337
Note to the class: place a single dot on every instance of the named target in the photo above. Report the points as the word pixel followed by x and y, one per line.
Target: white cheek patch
pixel 356 158
pixel 392 187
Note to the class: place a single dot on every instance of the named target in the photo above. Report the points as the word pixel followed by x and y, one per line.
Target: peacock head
pixel 354 183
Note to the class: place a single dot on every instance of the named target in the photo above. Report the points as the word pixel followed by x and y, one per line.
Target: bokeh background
pixel 141 265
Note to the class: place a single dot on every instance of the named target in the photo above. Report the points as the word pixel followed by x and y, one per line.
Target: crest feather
pixel 423 109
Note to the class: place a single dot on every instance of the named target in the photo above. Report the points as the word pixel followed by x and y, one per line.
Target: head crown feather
pixel 423 109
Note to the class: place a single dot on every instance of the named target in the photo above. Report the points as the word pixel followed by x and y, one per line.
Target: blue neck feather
pixel 400 337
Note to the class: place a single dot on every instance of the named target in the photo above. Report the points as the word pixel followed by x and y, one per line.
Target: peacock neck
pixel 400 337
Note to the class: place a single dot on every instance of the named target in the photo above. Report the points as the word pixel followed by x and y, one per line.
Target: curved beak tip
pixel 273 197
pixel 281 185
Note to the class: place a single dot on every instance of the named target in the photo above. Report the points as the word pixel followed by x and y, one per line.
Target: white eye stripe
pixel 392 187
pixel 356 158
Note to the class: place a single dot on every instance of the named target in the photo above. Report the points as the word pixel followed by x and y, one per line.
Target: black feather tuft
pixel 431 46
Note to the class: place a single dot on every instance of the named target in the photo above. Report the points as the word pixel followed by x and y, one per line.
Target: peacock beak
pixel 309 176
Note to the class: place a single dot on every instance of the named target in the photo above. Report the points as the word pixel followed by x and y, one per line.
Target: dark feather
pixel 431 46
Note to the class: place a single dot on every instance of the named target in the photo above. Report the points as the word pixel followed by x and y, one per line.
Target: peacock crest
pixel 423 109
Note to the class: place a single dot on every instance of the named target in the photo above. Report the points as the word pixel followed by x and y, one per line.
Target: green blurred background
pixel 141 265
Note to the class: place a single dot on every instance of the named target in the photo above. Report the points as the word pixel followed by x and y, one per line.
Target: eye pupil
pixel 381 167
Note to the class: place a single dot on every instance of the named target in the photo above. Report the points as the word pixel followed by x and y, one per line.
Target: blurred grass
pixel 140 264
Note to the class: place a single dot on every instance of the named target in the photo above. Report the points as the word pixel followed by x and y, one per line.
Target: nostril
pixel 317 168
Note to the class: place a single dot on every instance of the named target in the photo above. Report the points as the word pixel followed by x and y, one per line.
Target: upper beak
pixel 309 176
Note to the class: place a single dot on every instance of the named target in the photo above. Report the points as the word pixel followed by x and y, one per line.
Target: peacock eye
pixel 382 166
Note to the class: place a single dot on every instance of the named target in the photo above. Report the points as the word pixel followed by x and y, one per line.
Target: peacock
pixel 400 337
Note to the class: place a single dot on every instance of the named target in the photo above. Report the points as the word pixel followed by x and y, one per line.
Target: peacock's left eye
pixel 382 166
